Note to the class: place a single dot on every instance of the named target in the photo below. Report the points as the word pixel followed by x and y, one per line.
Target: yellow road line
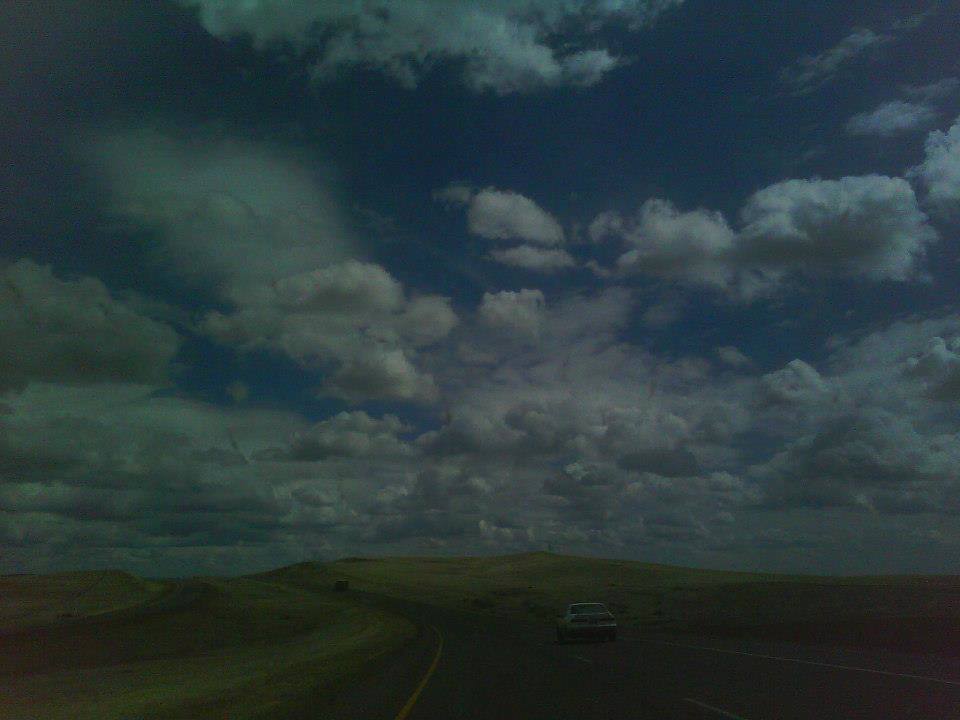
pixel 405 710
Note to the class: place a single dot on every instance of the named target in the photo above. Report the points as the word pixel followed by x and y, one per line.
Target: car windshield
pixel 587 608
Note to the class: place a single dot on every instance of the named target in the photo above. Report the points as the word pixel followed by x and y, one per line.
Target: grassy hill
pixel 907 613
pixel 34 600
pixel 274 645
pixel 205 648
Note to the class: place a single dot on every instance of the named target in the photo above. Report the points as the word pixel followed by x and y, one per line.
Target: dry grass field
pixel 110 646
pixel 204 648
pixel 906 613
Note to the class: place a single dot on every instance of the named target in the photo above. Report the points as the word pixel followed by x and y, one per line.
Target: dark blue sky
pixel 369 277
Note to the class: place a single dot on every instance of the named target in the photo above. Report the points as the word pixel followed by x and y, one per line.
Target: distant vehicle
pixel 341 585
pixel 584 620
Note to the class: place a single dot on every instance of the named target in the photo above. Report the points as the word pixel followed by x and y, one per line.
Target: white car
pixel 587 620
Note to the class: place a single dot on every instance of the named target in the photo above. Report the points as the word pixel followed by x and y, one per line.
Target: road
pixel 494 668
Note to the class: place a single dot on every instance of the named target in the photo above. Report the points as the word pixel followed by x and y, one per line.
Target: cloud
pixel 848 446
pixel 73 331
pixel 580 439
pixel 672 428
pixel 352 286
pixel 456 193
pixel 867 226
pixel 812 71
pixel 606 224
pixel 253 224
pixel 504 47
pixel 933 92
pixel 578 390
pixel 353 315
pixel 899 116
pixel 939 366
pixel 498 534
pixel 426 320
pixel 439 502
pixel 381 373
pixel 588 67
pixel 350 434
pixel 521 312
pixel 940 169
pixel 534 258
pixel 662 313
pixel 505 215
pixel 796 383
pixel 90 470
pixel 117 474
pixel 864 226
pixel 731 356
pixel 229 212
pixel 676 462
pixel 238 391
pixel 891 118
pixel 872 459
pixel 898 356
pixel 668 243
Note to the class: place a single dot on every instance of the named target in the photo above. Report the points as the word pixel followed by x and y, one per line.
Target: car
pixel 587 620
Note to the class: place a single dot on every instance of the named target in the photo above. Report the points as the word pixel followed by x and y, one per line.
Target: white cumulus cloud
pixel 352 314
pixel 506 215
pixel 690 245
pixel 506 46
pixel 867 226
pixel 521 312
pixel 940 169
pixel 862 226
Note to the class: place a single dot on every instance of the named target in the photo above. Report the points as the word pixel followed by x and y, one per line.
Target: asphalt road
pixel 499 669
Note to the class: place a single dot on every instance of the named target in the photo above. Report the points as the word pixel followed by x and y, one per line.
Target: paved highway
pixel 501 669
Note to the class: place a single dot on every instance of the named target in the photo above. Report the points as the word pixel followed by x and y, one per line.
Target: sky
pixel 665 280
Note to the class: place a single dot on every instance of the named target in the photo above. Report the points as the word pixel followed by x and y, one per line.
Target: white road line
pixel 581 659
pixel 711 708
pixel 832 666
